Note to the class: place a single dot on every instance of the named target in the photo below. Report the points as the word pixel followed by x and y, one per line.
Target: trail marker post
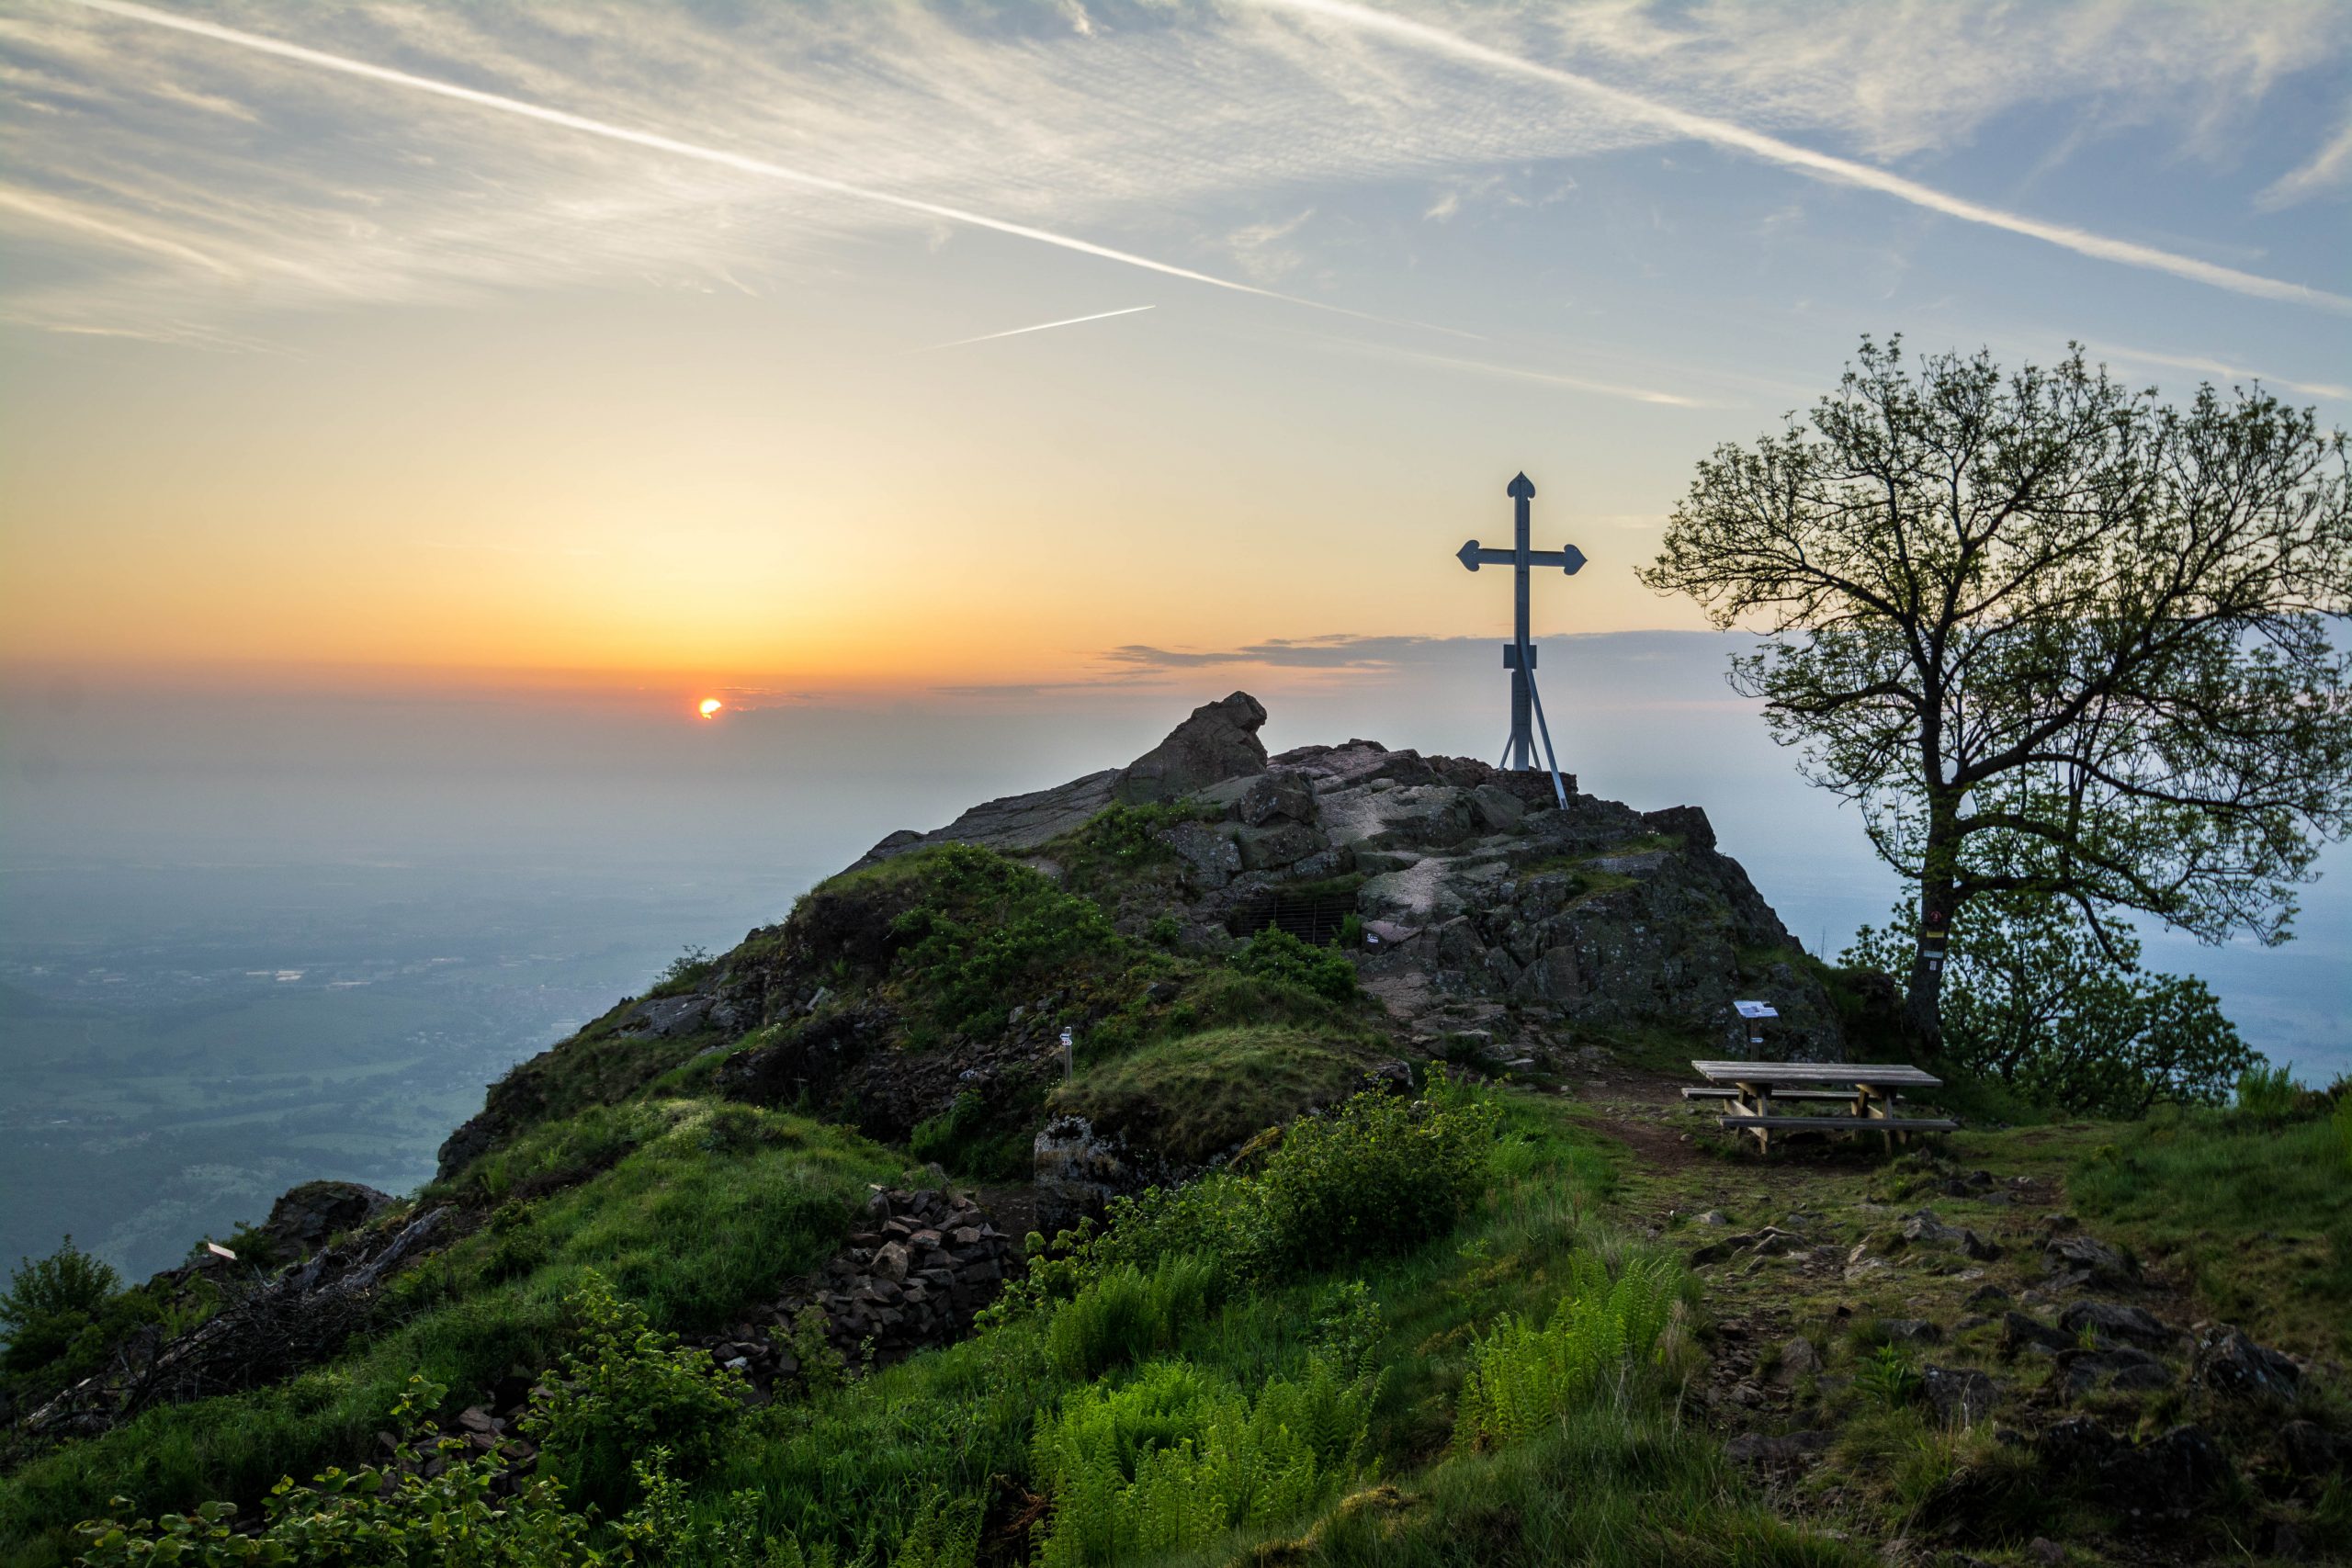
pixel 1518 654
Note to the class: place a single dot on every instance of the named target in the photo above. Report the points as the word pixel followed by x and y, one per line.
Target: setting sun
pixel 710 706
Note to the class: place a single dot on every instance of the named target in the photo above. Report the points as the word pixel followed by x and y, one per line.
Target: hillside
pixel 1362 1223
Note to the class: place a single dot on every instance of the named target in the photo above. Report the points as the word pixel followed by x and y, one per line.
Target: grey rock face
pixel 1211 859
pixel 1015 824
pixel 2112 1324
pixel 1279 794
pixel 1077 1170
pixel 1276 845
pixel 2228 1362
pixel 1958 1396
pixel 2087 1260
pixel 306 1218
pixel 1219 741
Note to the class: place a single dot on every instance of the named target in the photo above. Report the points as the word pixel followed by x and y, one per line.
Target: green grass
pixel 1196 1095
pixel 2261 1215
pixel 710 1212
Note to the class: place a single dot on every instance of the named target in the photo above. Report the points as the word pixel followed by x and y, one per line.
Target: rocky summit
pixel 1481 892
pixel 1231 1157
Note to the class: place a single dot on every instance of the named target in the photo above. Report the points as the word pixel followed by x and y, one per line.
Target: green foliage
pixel 1350 931
pixel 967 1140
pixel 683 972
pixel 1177 1457
pixel 622 1389
pixel 1196 1095
pixel 989 932
pixel 1380 1174
pixel 68 1282
pixel 1125 1314
pixel 439 1506
pixel 1164 930
pixel 1129 836
pixel 2342 1120
pixel 1887 1376
pixel 692 1239
pixel 1275 955
pixel 1524 1378
pixel 2033 1002
pixel 2267 1096
pixel 2052 637
pixel 2261 1216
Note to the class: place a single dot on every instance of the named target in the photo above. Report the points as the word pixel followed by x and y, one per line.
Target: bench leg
pixel 1756 1100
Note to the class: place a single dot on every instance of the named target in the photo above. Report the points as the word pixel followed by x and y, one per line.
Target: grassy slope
pixel 696 1208
pixel 710 1206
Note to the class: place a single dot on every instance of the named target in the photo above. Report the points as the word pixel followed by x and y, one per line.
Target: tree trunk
pixel 1923 1002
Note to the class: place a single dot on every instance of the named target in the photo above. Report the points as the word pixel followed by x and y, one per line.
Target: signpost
pixel 1518 654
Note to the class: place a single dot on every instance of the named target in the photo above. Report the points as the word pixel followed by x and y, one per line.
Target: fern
pixel 1524 1378
pixel 1177 1457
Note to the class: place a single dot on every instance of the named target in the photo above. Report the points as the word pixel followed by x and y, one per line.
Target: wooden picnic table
pixel 1753 1088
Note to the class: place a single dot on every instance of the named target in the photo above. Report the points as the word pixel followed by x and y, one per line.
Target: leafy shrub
pixel 2343 1120
pixel 969 1140
pixel 1887 1376
pixel 1177 1457
pixel 623 1388
pixel 2267 1096
pixel 990 932
pixel 67 1282
pixel 1125 1314
pixel 1275 955
pixel 2032 1001
pixel 1524 1379
pixel 1380 1174
pixel 1164 930
pixel 683 972
pixel 438 1505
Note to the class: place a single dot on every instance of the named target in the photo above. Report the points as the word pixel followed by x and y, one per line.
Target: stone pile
pixel 919 1268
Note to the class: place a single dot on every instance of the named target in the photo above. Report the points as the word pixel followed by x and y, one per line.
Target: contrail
pixel 1040 327
pixel 1821 165
pixel 66 215
pixel 662 143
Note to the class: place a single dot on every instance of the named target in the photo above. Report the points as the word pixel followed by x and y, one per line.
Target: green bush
pixel 1380 1174
pixel 1174 1460
pixel 1887 1376
pixel 1525 1379
pixel 1125 1314
pixel 989 934
pixel 68 1282
pixel 622 1389
pixel 439 1506
pixel 1275 955
pixel 2267 1096
pixel 683 972
pixel 2034 999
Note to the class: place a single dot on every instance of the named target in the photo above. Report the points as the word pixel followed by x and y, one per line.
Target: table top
pixel 1901 1074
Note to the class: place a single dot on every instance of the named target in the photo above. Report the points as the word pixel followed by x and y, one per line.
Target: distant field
pixel 179 1046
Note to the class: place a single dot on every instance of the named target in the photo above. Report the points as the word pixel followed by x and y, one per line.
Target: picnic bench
pixel 1753 1089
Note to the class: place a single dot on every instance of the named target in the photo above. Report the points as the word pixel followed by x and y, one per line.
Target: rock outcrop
pixel 1218 742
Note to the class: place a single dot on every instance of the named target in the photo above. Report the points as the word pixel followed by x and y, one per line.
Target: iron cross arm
pixel 1475 555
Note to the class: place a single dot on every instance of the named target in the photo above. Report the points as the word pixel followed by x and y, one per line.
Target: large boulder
pixel 306 1218
pixel 1219 741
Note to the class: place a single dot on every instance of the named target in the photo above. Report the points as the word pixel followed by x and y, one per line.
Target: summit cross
pixel 1518 654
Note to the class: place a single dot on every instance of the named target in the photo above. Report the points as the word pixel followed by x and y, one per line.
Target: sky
pixel 843 353
pixel 409 413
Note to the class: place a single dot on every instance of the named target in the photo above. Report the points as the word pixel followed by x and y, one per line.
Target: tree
pixel 2057 641
pixel 2033 1001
